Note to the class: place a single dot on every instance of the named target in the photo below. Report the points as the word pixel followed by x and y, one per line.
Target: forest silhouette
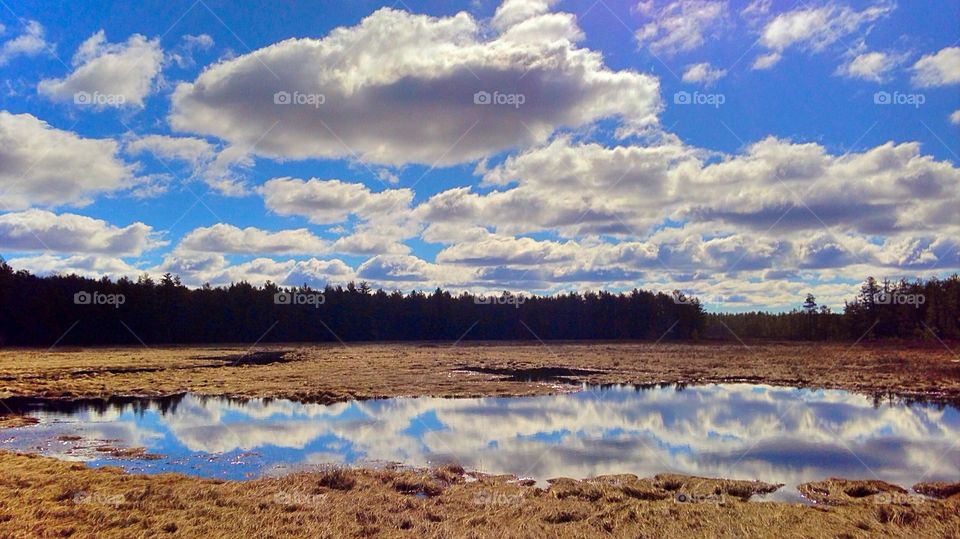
pixel 67 310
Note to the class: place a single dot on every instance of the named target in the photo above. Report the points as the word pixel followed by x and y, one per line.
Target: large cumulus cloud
pixel 400 88
pixel 38 230
pixel 41 165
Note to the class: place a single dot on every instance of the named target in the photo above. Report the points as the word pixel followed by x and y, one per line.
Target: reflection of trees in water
pixel 238 401
pixel 168 404
pixel 892 399
pixel 642 388
pixel 138 405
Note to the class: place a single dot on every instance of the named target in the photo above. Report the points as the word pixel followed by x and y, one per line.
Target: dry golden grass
pixel 329 373
pixel 836 491
pixel 42 497
pixel 938 489
pixel 13 421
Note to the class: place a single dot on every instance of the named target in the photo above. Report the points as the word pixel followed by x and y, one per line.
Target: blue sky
pixel 748 152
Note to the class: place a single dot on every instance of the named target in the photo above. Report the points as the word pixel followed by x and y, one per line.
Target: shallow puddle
pixel 739 431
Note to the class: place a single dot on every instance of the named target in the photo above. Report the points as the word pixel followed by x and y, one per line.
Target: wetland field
pixel 516 439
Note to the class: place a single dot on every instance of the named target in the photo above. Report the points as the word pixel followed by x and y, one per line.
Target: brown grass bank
pixel 329 373
pixel 42 497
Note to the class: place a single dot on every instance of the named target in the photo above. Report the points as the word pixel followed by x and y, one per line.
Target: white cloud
pixel 887 189
pixel 38 230
pixel 814 29
pixel 400 88
pixel 30 43
pixel 225 238
pixel 151 186
pixel 817 28
pixel 571 188
pixel 680 25
pixel 703 73
pixel 315 272
pixel 122 74
pixel 223 170
pixel 500 250
pixel 452 232
pixel 189 149
pixel 92 266
pixel 201 41
pixel 225 174
pixel 393 271
pixel 182 55
pixel 766 61
pixel 369 243
pixel 938 69
pixel 331 201
pixel 199 268
pixel 256 271
pixel 955 117
pixel 512 12
pixel 756 9
pixel 41 165
pixel 872 66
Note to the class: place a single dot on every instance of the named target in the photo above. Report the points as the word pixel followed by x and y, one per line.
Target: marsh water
pixel 742 431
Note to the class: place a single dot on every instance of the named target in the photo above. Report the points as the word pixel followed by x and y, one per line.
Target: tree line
pixel 68 310
pixel 74 310
pixel 920 310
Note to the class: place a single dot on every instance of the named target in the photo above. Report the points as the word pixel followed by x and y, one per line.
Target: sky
pixel 746 152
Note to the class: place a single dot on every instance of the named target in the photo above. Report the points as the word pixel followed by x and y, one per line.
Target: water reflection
pixel 732 430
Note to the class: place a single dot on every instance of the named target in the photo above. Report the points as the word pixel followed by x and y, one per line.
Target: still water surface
pixel 741 431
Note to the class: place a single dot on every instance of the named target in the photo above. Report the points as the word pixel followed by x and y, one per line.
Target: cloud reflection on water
pixel 730 430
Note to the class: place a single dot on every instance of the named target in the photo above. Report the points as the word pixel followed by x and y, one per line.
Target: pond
pixel 741 431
